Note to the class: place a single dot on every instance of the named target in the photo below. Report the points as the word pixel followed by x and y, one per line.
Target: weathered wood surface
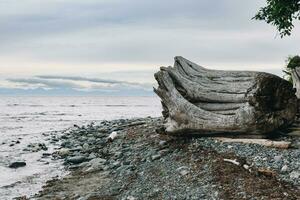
pixel 295 73
pixel 263 142
pixel 199 100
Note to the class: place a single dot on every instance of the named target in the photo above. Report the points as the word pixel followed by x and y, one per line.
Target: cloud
pixel 73 40
pixel 42 83
pixel 75 85
pixel 81 31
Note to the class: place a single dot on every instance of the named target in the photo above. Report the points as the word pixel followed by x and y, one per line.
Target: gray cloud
pixel 96 80
pixel 44 83
pixel 75 83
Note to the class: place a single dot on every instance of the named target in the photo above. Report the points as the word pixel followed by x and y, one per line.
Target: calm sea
pixel 29 119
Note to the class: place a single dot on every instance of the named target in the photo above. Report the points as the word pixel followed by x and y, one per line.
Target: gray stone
pixel 294 174
pixel 183 170
pixel 284 168
pixel 17 164
pixel 155 157
pixel 162 143
pixel 64 152
pixel 85 146
pixel 277 158
pixel 77 159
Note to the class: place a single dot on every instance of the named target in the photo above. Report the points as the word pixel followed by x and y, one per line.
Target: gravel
pixel 128 159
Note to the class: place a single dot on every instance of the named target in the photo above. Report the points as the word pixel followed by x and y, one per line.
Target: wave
pixel 121 105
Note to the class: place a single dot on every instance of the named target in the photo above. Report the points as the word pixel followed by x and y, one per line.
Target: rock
pixel 155 157
pixel 277 158
pixel 295 175
pixel 116 164
pixel 17 164
pixel 92 155
pixel 130 198
pixel 162 143
pixel 44 155
pixel 284 168
pixel 96 164
pixel 183 170
pixel 112 136
pixel 85 146
pixel 77 159
pixel 64 152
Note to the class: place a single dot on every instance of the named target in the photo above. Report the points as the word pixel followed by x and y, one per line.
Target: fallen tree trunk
pixel 199 100
pixel 295 73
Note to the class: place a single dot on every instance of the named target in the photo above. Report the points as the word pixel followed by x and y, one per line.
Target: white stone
pixel 294 174
pixel 113 135
pixel 284 168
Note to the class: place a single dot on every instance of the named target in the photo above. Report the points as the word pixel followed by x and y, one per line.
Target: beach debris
pixel 197 100
pixel 237 163
pixel 232 161
pixel 263 142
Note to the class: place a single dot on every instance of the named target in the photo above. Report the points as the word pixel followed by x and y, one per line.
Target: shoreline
pixel 139 163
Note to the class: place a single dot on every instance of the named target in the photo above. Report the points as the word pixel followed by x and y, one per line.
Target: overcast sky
pixel 71 43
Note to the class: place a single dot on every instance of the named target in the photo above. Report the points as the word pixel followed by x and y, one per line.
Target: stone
pixel 284 168
pixel 277 158
pixel 77 159
pixel 294 174
pixel 85 146
pixel 130 198
pixel 112 136
pixel 17 164
pixel 92 155
pixel 116 164
pixel 64 152
pixel 183 171
pixel 156 157
pixel 96 164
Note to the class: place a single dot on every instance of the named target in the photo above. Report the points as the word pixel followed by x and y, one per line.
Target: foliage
pixel 280 13
pixel 291 63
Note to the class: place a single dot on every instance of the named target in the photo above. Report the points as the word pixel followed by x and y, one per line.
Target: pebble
pixel 17 164
pixel 112 136
pixel 162 143
pixel 77 159
pixel 295 175
pixel 277 158
pixel 284 168
pixel 85 146
pixel 64 152
pixel 184 170
pixel 155 157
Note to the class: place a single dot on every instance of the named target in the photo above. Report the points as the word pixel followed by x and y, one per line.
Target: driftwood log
pixel 199 101
pixel 295 73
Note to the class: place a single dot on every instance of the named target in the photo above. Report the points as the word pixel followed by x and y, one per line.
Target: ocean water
pixel 33 119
